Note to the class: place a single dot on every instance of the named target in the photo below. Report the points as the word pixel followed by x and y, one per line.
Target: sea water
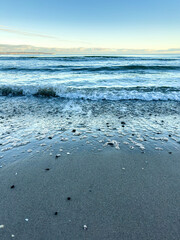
pixel 132 100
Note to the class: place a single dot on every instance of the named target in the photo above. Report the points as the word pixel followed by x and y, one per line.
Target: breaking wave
pixel 95 94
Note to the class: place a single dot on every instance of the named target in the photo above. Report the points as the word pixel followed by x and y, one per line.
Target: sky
pixel 96 25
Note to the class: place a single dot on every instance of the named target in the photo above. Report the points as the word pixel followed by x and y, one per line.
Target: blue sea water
pixel 132 101
pixel 134 77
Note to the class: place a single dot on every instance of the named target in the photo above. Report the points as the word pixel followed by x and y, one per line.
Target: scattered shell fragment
pixel 64 139
pixel 158 148
pixel 85 227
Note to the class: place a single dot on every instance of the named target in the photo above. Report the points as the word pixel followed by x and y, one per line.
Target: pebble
pixel 1 226
pixel 68 153
pixel 12 235
pixel 26 219
pixel 47 169
pixel 58 155
pixel 29 150
pixel 12 186
pixel 68 198
pixel 56 213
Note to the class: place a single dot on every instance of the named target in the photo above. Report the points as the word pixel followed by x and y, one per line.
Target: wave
pixel 57 68
pixel 102 93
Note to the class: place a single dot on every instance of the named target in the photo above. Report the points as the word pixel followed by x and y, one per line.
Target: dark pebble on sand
pixel 74 130
pixel 47 169
pixel 133 134
pixel 49 137
pixel 110 144
pixel 12 186
pixel 123 123
pixel 170 152
pixel 56 213
pixel 68 198
pixel 169 135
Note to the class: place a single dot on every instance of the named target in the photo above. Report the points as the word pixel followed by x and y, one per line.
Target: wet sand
pixel 108 194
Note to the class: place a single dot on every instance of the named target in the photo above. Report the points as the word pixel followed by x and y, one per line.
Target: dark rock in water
pixel 98 129
pixel 74 130
pixel 133 134
pixel 123 126
pixel 123 123
pixel 68 198
pixel 49 137
pixel 170 152
pixel 110 144
pixel 56 213
pixel 47 169
pixel 169 135
pixel 12 186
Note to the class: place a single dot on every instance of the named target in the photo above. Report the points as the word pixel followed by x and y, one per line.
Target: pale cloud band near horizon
pixel 6 48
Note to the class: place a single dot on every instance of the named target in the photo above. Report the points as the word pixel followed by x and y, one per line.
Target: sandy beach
pixel 85 194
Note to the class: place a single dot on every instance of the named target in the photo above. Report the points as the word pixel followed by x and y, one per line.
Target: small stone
pixel 12 186
pixel 47 169
pixel 58 155
pixel 56 213
pixel 170 152
pixel 123 123
pixel 123 168
pixel 68 198
pixel 1 226
pixel 12 235
pixel 26 219
pixel 1 166
pixel 68 153
pixel 74 130
pixel 49 137
pixel 110 144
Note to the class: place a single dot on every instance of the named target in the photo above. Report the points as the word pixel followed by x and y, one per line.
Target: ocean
pixel 125 99
pixel 92 77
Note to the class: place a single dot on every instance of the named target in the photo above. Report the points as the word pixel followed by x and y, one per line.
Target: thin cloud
pixel 30 34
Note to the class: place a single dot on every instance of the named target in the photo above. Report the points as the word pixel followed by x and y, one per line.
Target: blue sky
pixel 118 24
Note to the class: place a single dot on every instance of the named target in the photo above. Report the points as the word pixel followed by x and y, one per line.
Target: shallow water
pixel 130 101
